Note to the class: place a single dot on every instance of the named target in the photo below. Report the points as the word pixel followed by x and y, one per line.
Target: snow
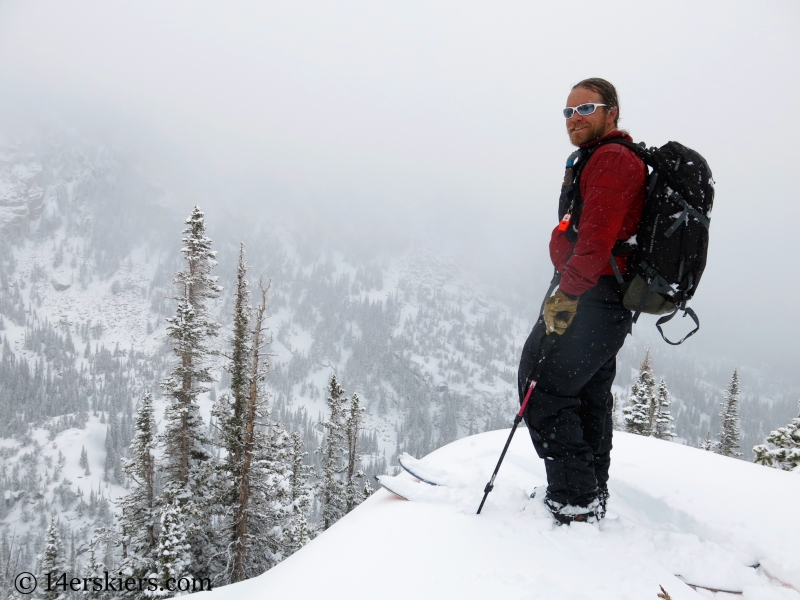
pixel 674 510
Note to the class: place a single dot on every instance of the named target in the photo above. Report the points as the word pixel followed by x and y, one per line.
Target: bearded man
pixel 584 324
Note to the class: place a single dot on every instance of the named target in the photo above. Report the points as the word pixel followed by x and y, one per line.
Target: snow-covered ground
pixel 674 511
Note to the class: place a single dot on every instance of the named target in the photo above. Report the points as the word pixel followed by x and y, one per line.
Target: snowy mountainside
pixel 432 359
pixel 78 343
pixel 676 515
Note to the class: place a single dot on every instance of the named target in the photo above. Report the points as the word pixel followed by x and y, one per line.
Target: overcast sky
pixel 443 117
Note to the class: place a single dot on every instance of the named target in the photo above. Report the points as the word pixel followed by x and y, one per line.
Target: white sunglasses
pixel 584 110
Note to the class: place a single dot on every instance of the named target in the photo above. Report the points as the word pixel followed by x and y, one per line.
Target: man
pixel 584 324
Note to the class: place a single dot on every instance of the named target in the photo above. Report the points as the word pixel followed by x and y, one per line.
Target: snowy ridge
pixel 673 511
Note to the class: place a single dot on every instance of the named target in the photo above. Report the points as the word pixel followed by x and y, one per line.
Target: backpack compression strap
pixel 686 311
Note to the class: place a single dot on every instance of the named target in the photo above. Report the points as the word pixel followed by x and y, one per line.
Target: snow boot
pixel 602 498
pixel 564 514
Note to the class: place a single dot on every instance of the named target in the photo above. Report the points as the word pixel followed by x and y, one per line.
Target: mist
pixel 397 124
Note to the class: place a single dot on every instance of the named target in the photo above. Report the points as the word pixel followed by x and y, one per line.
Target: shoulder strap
pixel 585 155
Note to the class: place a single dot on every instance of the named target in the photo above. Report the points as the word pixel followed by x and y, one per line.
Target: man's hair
pixel 606 90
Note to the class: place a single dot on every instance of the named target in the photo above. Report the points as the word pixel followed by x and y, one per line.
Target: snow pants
pixel 569 413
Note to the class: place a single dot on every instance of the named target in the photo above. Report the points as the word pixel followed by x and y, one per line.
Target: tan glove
pixel 559 312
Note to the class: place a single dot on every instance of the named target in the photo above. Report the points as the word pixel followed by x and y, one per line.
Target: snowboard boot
pixel 564 514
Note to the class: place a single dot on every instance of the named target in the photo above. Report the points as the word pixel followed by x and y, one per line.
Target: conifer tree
pixel 663 422
pixel 139 514
pixel 330 487
pixel 84 461
pixel 188 470
pixel 782 450
pixel 729 434
pixel 638 415
pixel 94 568
pixel 259 452
pixel 229 410
pixel 353 474
pixel 707 443
pixel 297 530
pixel 113 462
pixel 240 361
pixel 52 563
pixel 174 553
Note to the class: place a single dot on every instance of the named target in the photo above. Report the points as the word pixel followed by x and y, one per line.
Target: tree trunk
pixel 239 571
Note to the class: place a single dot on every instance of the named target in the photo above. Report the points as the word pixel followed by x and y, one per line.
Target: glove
pixel 559 310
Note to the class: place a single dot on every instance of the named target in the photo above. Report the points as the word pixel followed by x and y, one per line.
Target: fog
pixel 438 122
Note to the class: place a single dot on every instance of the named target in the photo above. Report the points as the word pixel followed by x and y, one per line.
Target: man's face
pixel 583 130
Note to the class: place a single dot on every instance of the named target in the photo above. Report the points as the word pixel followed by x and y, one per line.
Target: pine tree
pixel 174 553
pixel 639 414
pixel 729 434
pixel 139 514
pixel 353 474
pixel 188 472
pixel 94 568
pixel 229 411
pixel 259 462
pixel 84 462
pixel 782 450
pixel 663 426
pixel 240 355
pixel 330 487
pixel 113 462
pixel 707 444
pixel 52 563
pixel 297 530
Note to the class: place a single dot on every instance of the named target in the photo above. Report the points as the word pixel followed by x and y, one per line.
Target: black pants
pixel 569 413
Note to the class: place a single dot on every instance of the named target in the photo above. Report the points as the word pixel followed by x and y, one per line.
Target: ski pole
pixel 490 486
pixel 548 344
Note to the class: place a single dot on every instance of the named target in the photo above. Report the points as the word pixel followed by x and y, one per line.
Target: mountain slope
pixel 673 510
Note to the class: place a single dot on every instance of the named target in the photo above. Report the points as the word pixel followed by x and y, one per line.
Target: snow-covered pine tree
pixel 113 462
pixel 663 422
pixel 330 487
pixel 353 474
pixel 139 514
pixel 94 568
pixel 782 450
pixel 51 562
pixel 174 553
pixel 729 433
pixel 84 462
pixel 231 420
pixel 707 443
pixel 638 415
pixel 188 471
pixel 259 453
pixel 297 530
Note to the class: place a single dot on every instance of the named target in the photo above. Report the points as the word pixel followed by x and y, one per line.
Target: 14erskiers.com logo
pixel 26 583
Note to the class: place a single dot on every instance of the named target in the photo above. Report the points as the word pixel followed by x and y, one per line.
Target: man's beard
pixel 587 135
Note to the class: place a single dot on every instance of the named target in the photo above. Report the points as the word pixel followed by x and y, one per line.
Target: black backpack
pixel 669 253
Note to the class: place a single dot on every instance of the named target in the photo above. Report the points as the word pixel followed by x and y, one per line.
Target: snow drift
pixel 676 515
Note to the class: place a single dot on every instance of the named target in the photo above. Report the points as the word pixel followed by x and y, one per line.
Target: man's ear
pixel 614 114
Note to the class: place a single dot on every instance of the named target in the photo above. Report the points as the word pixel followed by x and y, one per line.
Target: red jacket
pixel 612 186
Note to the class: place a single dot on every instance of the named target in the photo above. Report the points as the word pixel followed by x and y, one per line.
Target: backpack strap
pixel 553 283
pixel 615 268
pixel 686 311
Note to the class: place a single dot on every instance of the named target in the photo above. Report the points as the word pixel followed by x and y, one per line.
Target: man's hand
pixel 559 310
